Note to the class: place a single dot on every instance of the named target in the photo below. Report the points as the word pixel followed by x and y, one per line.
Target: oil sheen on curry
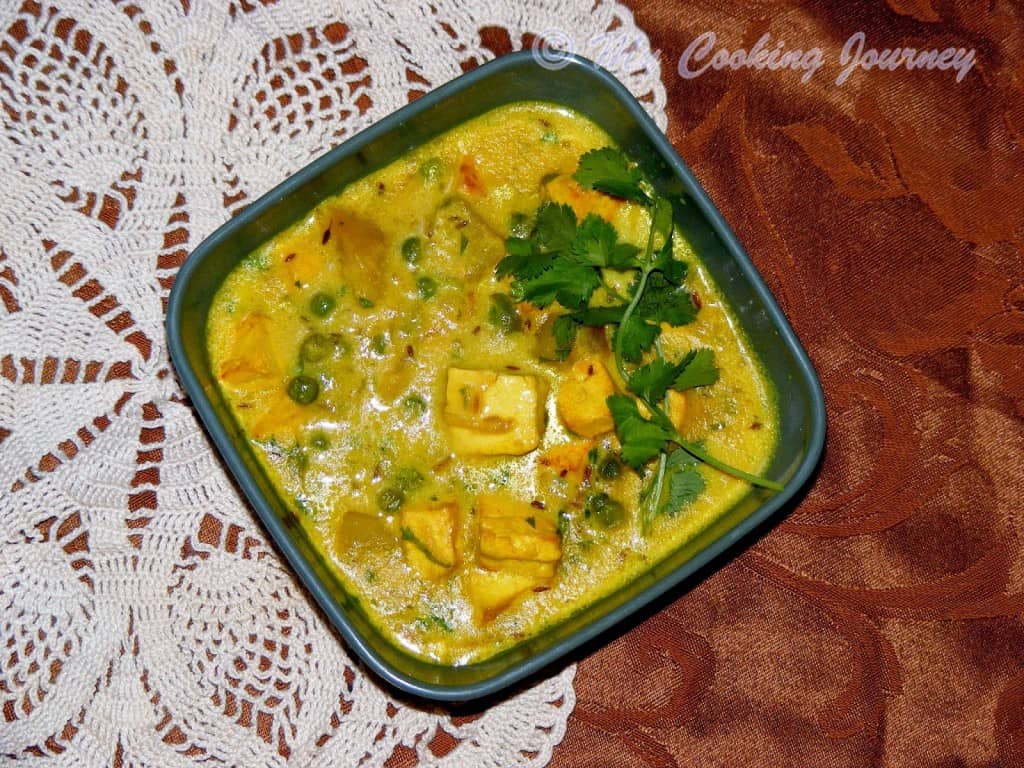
pixel 466 484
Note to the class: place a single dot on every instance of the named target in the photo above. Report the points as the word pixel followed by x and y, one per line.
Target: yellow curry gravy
pixel 413 422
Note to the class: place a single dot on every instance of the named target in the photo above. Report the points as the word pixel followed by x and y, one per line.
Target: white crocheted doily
pixel 145 618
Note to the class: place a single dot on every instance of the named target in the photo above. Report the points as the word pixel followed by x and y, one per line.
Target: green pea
pixel 320 441
pixel 502 314
pixel 609 468
pixel 390 499
pixel 411 249
pixel 409 480
pixel 315 347
pixel 432 169
pixel 427 286
pixel 415 405
pixel 606 510
pixel 303 389
pixel 322 304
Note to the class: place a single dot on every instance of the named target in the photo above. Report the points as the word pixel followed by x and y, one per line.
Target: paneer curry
pixel 493 381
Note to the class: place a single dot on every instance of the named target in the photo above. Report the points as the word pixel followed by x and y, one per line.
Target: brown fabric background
pixel 882 621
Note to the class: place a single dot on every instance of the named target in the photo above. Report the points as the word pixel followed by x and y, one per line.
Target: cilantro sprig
pixel 570 261
pixel 561 260
pixel 676 483
pixel 608 170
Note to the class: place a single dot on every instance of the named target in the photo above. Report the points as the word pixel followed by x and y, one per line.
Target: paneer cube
pixel 582 399
pixel 511 529
pixel 428 537
pixel 506 543
pixel 518 548
pixel 490 413
pixel 514 536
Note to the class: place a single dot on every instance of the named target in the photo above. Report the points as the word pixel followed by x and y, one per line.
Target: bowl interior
pixel 594 93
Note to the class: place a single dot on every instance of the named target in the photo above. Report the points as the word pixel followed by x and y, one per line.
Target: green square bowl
pixel 593 92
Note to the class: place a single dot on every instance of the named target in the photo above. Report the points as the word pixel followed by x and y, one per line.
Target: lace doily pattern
pixel 145 618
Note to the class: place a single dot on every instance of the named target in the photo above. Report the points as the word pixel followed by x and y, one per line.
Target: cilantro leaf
pixel 597 316
pixel 663 302
pixel 564 330
pixel 623 256
pixel 684 482
pixel 570 284
pixel 522 260
pixel 595 241
pixel 608 170
pixel 653 380
pixel 556 226
pixel 696 369
pixel 673 270
pixel 674 484
pixel 641 439
pixel 635 336
pixel 596 245
pixel 662 224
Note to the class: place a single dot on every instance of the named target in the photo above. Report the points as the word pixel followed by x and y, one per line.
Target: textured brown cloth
pixel 880 622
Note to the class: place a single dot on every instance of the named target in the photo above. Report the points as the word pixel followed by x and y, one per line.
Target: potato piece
pixel 394 380
pixel 302 266
pixel 469 178
pixel 700 413
pixel 362 249
pixel 281 417
pixel 564 189
pixel 568 460
pixel 491 592
pixel 428 537
pixel 677 409
pixel 252 363
pixel 461 243
pixel 490 413
pixel 582 399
